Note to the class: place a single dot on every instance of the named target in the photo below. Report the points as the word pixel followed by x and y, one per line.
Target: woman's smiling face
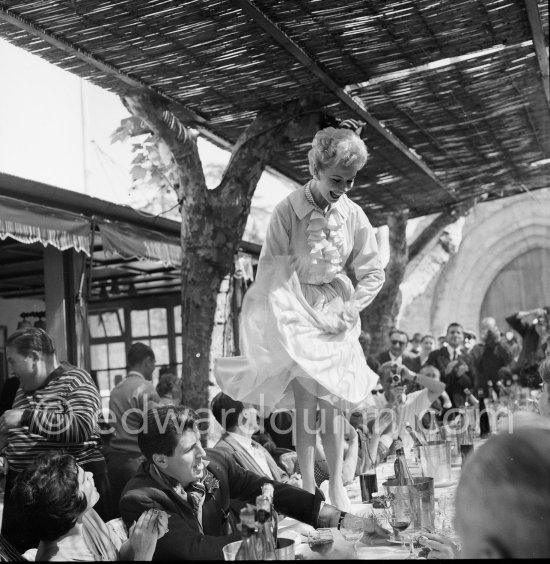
pixel 332 182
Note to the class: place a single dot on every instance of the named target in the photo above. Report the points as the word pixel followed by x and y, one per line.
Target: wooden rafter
pixel 298 53
pixel 540 47
pixel 196 120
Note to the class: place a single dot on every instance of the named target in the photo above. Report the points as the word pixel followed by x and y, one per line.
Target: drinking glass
pixel 400 516
pixel 352 529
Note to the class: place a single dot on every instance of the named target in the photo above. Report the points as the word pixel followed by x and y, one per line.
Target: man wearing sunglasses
pixel 396 353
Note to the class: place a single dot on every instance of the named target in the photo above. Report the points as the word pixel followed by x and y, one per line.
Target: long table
pixel 369 547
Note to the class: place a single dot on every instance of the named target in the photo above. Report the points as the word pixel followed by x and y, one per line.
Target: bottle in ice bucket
pixel 265 543
pixel 402 472
pixel 247 525
pixel 268 490
pixel 466 434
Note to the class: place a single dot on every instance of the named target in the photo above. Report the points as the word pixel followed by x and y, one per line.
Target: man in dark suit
pixel 396 353
pixel 454 365
pixel 175 478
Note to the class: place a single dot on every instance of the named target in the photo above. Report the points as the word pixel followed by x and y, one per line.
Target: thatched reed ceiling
pixel 453 91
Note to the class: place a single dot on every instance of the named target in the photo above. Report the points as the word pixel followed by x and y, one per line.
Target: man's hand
pixel 441 547
pixel 10 419
pixel 151 526
pixel 295 480
pixel 373 526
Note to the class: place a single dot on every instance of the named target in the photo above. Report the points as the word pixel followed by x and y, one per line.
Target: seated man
pixel 503 497
pixel 175 478
pixel 240 424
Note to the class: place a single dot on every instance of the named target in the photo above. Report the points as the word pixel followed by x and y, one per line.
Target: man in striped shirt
pixel 56 408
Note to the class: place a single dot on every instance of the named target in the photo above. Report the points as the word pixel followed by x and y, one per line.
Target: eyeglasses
pixel 395 342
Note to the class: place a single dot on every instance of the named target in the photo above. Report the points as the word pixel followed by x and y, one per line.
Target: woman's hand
pixel 373 526
pixel 151 526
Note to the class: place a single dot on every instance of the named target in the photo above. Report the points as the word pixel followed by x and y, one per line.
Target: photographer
pixel 394 379
pixel 534 327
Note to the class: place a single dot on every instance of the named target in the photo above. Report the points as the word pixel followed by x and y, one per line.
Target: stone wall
pixel 440 288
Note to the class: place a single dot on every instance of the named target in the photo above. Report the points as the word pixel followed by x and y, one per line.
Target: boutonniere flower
pixel 210 483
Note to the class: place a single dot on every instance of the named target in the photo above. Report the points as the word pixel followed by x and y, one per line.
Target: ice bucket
pixel 435 460
pixel 285 549
pixel 421 495
pixel 230 550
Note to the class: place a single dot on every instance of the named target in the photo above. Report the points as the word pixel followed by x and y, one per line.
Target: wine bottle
pixel 470 398
pixel 402 472
pixel 247 526
pixel 492 395
pixel 268 490
pixel 265 544
pixel 414 436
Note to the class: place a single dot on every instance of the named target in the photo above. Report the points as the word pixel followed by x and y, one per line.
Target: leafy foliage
pixel 153 164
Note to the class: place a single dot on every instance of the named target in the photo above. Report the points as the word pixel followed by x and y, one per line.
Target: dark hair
pixel 139 352
pixel 505 484
pixel 48 496
pixel 24 341
pixel 454 324
pixel 427 336
pixel 226 410
pixel 166 383
pixel 163 428
pixel 395 330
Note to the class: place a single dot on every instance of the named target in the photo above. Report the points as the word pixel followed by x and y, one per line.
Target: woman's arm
pixel 365 262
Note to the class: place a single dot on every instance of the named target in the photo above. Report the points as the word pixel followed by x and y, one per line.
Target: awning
pixel 36 223
pixel 32 223
pixel 133 242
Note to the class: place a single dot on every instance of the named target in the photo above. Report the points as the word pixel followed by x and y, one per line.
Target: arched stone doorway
pixel 496 236
pixel 522 284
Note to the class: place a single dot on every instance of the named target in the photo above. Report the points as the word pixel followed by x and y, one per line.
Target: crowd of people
pixel 330 410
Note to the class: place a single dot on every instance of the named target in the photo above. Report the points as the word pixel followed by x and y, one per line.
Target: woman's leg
pixel 306 430
pixel 332 436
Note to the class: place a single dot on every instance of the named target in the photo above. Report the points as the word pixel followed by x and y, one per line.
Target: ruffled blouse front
pixel 326 260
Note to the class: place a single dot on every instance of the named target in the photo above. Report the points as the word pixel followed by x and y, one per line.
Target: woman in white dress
pixel 300 319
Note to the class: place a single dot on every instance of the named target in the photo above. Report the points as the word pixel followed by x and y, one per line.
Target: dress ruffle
pixel 326 260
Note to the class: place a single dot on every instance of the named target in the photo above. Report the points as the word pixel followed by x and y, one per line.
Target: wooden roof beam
pixel 533 15
pixel 298 53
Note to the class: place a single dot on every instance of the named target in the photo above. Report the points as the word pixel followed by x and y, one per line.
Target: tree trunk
pixel 213 221
pixel 378 318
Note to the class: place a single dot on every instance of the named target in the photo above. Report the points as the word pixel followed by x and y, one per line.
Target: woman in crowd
pixel 300 319
pixel 167 389
pixel 56 498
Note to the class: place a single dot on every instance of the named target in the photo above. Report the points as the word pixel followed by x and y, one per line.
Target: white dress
pixel 300 318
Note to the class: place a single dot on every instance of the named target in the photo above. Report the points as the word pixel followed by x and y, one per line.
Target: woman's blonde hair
pixel 336 147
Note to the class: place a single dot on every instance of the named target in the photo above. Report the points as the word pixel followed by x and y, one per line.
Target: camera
pixel 395 375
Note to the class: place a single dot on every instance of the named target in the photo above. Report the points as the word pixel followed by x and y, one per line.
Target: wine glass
pixel 400 516
pixel 352 529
